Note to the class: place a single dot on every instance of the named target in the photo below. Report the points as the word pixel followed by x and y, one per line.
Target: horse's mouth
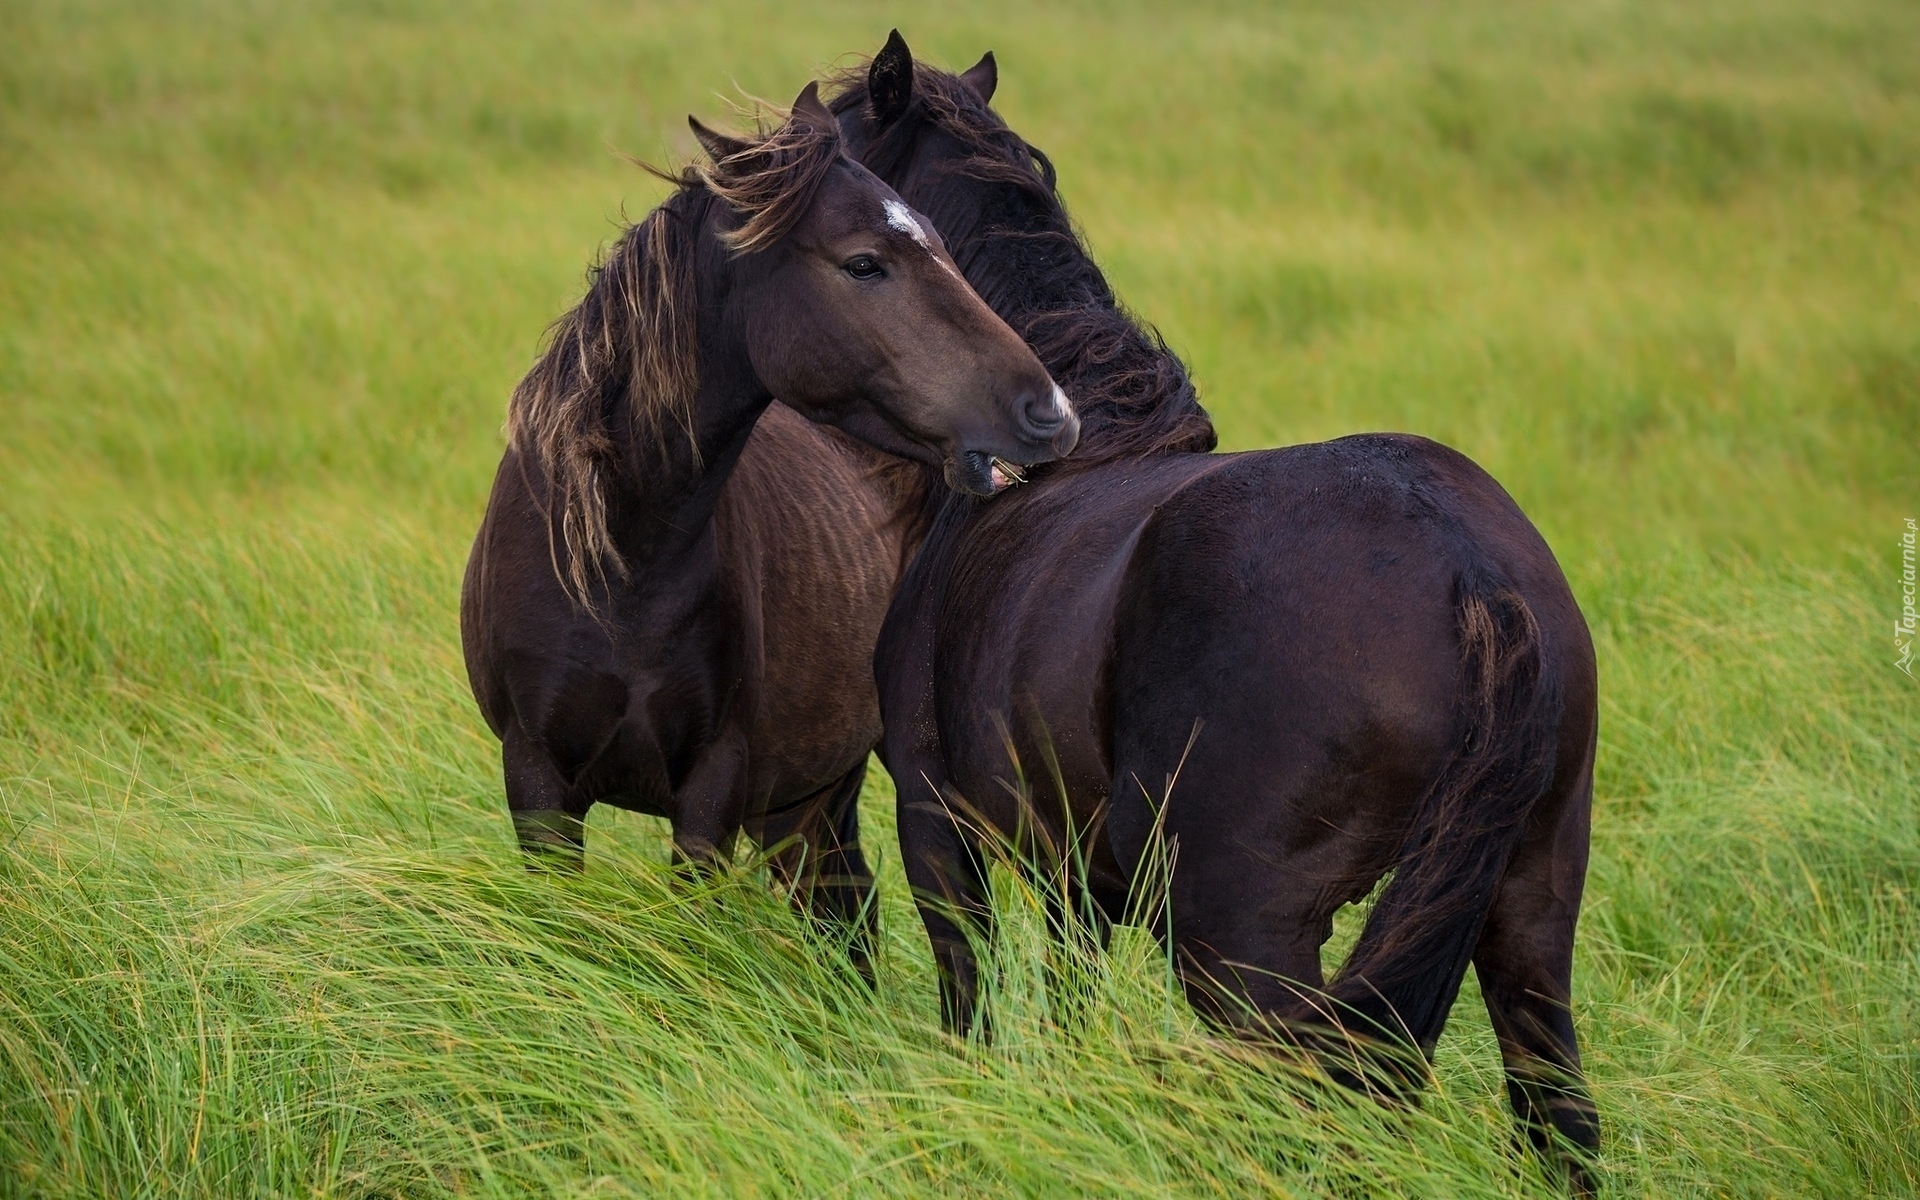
pixel 980 474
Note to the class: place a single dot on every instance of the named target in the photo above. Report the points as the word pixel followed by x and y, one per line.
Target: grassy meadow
pixel 268 272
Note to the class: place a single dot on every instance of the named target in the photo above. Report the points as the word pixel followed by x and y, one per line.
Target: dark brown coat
pixel 671 608
pixel 1293 670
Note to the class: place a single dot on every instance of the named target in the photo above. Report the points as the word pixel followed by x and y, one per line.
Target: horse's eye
pixel 864 266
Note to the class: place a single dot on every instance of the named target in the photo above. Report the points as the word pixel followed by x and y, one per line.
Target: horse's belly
pixel 799 753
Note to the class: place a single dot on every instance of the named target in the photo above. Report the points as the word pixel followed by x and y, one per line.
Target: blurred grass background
pixel 267 273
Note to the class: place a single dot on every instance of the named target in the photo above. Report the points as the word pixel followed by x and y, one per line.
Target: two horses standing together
pixel 1357 657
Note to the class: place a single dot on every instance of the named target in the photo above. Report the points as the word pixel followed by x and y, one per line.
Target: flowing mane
pixel 1133 394
pixel 621 368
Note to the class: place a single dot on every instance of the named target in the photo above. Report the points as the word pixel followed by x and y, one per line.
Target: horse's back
pixel 1298 607
pixel 1347 555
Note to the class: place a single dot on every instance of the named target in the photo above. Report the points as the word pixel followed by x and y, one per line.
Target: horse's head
pixel 854 313
pixel 990 193
pixel 932 136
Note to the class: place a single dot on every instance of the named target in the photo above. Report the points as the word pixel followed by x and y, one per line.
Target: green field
pixel 268 272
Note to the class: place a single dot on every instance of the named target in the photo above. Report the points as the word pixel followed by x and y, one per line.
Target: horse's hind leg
pixel 823 863
pixel 1524 961
pixel 1079 933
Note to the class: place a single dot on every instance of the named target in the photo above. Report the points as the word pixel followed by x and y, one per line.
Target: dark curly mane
pixel 1020 252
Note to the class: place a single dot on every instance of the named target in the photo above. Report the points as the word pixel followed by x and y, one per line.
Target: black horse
pixel 1358 657
pixel 665 614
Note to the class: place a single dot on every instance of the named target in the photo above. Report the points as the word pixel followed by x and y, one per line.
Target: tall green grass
pixel 268 272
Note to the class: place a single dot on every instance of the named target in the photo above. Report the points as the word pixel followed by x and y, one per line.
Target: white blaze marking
pixel 901 217
pixel 1060 403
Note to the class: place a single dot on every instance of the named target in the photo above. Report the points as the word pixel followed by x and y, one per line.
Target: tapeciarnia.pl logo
pixel 1904 628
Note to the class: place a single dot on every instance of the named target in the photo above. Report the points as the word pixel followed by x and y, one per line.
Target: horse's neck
pixel 1129 385
pixel 674 487
pixel 1040 268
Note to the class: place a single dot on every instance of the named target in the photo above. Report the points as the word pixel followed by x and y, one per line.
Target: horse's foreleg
pixel 950 889
pixel 548 817
pixel 710 804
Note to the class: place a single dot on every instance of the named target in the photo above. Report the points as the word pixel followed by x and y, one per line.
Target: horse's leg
pixel 1241 966
pixel 824 868
pixel 710 803
pixel 564 717
pixel 1244 917
pixel 843 894
pixel 1073 915
pixel 949 881
pixel 548 817
pixel 1525 964
pixel 1080 930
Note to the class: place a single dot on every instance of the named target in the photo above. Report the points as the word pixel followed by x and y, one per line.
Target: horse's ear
pixel 982 77
pixel 717 145
pixel 890 80
pixel 809 110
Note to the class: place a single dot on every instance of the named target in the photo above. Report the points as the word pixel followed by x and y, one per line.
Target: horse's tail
pixel 1404 973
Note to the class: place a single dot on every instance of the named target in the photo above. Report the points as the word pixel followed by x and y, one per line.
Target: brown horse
pixel 1359 659
pixel 671 609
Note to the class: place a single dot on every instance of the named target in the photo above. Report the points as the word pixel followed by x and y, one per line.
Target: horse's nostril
pixel 1041 414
